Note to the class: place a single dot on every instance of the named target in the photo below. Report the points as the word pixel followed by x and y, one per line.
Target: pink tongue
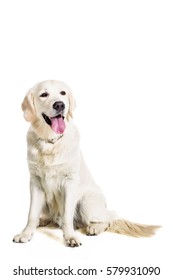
pixel 58 125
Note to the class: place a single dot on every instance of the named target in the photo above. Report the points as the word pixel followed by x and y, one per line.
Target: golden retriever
pixel 62 188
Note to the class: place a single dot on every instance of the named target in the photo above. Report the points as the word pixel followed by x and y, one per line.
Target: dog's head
pixel 49 105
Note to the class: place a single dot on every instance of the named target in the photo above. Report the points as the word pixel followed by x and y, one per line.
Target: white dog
pixel 62 188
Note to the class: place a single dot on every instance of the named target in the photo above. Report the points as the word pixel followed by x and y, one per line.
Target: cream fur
pixel 62 188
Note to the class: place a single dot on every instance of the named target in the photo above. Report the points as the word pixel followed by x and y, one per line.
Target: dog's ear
pixel 72 105
pixel 28 107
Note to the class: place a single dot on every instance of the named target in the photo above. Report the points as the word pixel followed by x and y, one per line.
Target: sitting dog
pixel 62 188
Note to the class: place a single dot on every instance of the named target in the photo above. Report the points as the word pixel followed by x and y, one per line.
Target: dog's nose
pixel 59 106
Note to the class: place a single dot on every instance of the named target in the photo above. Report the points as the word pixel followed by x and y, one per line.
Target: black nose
pixel 59 106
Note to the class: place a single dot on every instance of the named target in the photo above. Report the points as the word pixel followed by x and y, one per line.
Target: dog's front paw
pixel 72 241
pixel 22 237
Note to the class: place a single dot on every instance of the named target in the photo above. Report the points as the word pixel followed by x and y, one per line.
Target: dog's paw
pixel 91 231
pixel 22 237
pixel 96 228
pixel 72 241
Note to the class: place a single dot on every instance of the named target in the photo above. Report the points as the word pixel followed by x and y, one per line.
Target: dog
pixel 61 186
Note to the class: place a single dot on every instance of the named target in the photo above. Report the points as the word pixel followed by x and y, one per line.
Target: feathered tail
pixel 132 229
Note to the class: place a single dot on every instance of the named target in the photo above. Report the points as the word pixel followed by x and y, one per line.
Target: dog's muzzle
pixel 57 122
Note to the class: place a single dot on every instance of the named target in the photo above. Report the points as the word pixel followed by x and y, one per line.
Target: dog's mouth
pixel 57 123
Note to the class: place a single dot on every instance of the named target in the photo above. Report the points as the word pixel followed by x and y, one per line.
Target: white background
pixel 117 56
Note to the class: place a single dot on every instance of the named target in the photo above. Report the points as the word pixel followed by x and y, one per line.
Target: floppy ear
pixel 28 107
pixel 72 106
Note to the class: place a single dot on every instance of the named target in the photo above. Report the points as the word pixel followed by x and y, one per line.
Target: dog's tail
pixel 132 229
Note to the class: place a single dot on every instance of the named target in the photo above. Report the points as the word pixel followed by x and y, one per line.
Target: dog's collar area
pixel 53 140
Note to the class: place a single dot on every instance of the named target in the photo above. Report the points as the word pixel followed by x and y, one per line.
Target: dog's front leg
pixel 37 201
pixel 70 202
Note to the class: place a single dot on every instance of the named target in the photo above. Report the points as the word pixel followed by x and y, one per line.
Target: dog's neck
pixel 53 140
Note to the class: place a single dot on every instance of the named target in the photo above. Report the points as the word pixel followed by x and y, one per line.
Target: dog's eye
pixel 44 94
pixel 62 92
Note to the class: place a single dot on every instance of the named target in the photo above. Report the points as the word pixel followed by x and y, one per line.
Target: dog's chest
pixel 53 169
pixel 47 163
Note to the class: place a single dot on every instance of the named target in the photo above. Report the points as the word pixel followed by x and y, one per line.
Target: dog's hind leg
pixel 94 214
pixel 44 219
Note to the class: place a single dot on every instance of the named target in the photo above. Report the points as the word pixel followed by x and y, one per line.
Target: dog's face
pixel 49 104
